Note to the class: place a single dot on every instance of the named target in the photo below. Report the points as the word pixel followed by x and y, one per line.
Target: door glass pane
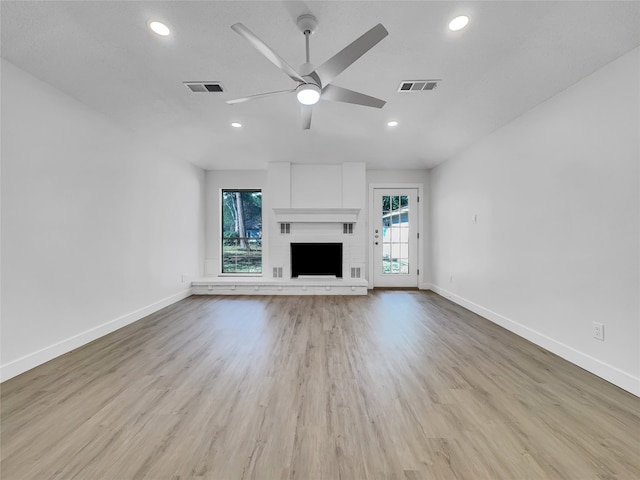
pixel 404 235
pixel 395 234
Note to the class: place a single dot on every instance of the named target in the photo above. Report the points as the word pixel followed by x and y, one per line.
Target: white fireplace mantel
pixel 316 215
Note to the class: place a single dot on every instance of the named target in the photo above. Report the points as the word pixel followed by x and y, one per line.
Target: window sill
pixel 240 274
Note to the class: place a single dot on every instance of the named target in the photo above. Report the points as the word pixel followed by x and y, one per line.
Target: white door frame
pixel 370 251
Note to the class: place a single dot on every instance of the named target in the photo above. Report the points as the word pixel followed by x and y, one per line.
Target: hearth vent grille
pixel 355 272
pixel 204 87
pixel 285 228
pixel 347 228
pixel 408 86
pixel 277 272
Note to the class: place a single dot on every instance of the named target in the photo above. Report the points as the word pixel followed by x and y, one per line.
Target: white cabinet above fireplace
pixel 316 215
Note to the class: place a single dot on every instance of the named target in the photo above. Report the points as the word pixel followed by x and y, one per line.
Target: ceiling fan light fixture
pixel 159 28
pixel 458 23
pixel 392 123
pixel 308 94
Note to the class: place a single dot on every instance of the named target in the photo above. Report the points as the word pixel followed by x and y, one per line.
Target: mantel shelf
pixel 316 215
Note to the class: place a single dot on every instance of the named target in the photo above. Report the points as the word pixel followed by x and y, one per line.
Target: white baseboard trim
pixel 612 374
pixel 32 360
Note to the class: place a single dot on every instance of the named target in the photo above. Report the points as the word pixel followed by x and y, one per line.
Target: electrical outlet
pixel 598 330
pixel 451 278
pixel 184 277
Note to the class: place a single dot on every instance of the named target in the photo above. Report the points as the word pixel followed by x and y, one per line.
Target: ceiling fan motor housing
pixel 307 23
pixel 306 69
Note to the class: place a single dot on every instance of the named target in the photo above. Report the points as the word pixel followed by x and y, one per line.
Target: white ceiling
pixel 511 57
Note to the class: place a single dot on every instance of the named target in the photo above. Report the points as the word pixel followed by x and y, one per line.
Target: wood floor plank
pixel 392 385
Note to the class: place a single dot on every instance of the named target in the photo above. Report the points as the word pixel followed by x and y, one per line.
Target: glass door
pixel 395 232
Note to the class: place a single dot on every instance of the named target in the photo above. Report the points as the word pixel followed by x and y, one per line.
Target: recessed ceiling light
pixel 458 23
pixel 392 123
pixel 236 124
pixel 160 28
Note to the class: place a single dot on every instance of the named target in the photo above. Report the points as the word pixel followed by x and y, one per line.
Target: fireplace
pixel 316 259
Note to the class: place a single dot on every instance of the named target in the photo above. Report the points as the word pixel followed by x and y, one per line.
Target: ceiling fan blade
pixel 259 95
pixel 267 52
pixel 352 52
pixel 306 116
pixel 339 94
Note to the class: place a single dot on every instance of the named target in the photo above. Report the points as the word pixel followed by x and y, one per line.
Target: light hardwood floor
pixel 393 385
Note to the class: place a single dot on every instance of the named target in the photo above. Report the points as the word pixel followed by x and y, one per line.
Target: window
pixel 241 231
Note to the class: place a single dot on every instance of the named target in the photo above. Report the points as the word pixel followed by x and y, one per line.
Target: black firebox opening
pixel 316 259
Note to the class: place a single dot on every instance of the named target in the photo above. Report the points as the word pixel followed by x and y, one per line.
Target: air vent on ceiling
pixel 418 85
pixel 204 87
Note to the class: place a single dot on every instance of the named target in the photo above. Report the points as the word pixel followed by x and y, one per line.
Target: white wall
pixel 97 228
pixel 556 243
pixel 316 186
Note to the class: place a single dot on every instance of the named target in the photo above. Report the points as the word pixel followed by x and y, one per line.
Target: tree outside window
pixel 241 231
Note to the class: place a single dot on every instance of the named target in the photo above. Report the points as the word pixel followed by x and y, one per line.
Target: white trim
pixel 32 360
pixel 612 374
pixel 241 274
pixel 419 260
pixel 316 215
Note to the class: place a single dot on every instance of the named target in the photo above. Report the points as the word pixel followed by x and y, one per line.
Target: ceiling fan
pixel 315 84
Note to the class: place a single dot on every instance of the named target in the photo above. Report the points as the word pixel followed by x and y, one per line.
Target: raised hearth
pixel 278 286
